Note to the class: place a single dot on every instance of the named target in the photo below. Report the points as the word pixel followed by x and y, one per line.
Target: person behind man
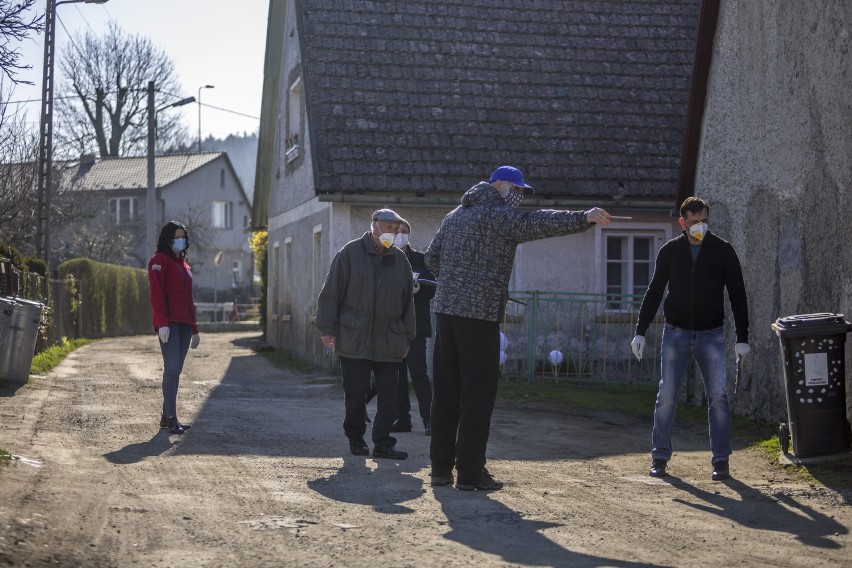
pixel 365 313
pixel 472 255
pixel 415 361
pixel 696 267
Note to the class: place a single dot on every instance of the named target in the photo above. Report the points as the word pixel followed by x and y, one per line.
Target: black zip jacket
pixel 423 296
pixel 696 298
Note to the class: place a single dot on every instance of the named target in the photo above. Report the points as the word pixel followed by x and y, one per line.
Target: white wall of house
pixel 775 164
pixel 211 196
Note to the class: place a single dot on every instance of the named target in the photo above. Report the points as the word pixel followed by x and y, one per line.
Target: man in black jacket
pixel 415 361
pixel 697 267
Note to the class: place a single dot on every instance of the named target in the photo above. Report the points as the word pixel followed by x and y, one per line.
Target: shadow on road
pixel 755 510
pixel 489 526
pixel 385 489
pixel 134 453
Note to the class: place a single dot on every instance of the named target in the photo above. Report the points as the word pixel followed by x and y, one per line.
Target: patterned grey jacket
pixel 473 252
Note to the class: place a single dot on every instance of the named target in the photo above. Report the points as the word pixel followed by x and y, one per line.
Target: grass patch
pixel 285 360
pixel 5 457
pixel 53 355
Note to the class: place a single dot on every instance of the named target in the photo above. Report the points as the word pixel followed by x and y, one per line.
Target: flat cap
pixel 386 215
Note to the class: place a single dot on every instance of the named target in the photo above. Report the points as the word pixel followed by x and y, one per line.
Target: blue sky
pixel 215 42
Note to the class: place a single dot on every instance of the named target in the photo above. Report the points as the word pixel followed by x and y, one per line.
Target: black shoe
pixel 721 471
pixel 658 468
pixel 359 447
pixel 486 483
pixel 175 427
pixel 427 427
pixel 441 480
pixel 388 452
pixel 164 423
pixel 401 427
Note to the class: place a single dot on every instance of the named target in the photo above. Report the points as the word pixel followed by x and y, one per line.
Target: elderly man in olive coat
pixel 365 313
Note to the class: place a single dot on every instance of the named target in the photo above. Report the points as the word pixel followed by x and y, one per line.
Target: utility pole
pixel 45 141
pixel 150 194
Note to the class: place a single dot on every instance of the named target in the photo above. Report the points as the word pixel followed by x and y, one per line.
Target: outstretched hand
pixel 596 215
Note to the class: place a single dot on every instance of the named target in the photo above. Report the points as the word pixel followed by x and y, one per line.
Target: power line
pixel 231 111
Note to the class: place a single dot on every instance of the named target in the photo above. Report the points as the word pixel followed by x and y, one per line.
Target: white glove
pixel 742 350
pixel 196 339
pixel 164 332
pixel 638 345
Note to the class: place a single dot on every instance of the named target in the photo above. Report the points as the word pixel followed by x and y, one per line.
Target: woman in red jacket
pixel 170 278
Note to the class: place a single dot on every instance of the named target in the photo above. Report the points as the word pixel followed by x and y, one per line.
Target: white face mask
pixel 401 240
pixel 387 239
pixel 698 231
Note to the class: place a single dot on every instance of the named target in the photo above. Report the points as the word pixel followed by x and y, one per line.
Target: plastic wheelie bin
pixel 6 350
pixel 19 347
pixel 812 347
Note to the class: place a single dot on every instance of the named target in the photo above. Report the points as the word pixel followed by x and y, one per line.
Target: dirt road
pixel 264 478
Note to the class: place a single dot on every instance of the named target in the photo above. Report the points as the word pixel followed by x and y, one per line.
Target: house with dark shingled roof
pixel 406 104
pixel 201 190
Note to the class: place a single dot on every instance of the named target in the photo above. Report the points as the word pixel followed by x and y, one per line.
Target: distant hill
pixel 242 150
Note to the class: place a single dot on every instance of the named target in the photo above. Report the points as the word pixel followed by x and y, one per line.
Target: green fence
pixel 564 335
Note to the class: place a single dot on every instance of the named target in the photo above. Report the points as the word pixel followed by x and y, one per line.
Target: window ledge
pixel 292 153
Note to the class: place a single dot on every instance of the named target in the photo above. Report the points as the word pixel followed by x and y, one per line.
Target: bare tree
pixel 16 26
pixel 103 104
pixel 18 175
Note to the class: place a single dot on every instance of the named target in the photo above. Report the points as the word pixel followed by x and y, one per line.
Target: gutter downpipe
pixel 707 24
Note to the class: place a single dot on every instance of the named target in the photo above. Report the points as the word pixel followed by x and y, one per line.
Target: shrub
pixel 113 299
pixel 260 247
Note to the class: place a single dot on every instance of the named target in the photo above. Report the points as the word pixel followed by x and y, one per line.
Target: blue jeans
pixel 708 349
pixel 174 353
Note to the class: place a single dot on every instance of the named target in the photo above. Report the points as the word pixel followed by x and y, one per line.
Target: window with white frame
pixel 122 209
pixel 629 266
pixel 286 300
pixel 294 120
pixel 223 213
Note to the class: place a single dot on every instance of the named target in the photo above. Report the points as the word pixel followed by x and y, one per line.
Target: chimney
pixel 86 163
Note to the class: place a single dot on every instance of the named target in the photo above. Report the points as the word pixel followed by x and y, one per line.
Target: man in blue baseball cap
pixel 472 256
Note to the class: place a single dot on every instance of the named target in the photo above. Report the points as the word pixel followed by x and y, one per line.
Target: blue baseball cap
pixel 512 175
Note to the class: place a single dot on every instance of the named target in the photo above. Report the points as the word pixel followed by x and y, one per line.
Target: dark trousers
pixel 174 354
pixel 356 383
pixel 465 372
pixel 414 363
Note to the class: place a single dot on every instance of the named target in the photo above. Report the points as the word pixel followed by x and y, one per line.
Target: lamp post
pixel 199 113
pixel 151 195
pixel 45 139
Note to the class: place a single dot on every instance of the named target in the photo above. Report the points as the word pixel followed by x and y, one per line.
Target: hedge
pixel 114 300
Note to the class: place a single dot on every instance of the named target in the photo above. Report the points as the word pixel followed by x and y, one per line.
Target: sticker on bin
pixel 816 369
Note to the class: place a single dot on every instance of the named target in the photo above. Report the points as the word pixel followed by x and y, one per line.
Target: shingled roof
pixel 416 96
pixel 132 173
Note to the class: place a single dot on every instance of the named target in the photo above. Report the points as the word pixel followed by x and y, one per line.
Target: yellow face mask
pixel 698 231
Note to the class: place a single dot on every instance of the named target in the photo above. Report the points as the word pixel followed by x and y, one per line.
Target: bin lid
pixel 811 324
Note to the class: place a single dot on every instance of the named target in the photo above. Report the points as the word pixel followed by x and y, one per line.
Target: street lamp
pixel 45 139
pixel 199 113
pixel 151 196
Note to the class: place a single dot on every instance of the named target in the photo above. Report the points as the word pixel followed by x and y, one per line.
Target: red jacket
pixel 170 279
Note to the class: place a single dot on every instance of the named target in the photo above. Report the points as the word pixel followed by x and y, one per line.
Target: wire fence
pixel 568 335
